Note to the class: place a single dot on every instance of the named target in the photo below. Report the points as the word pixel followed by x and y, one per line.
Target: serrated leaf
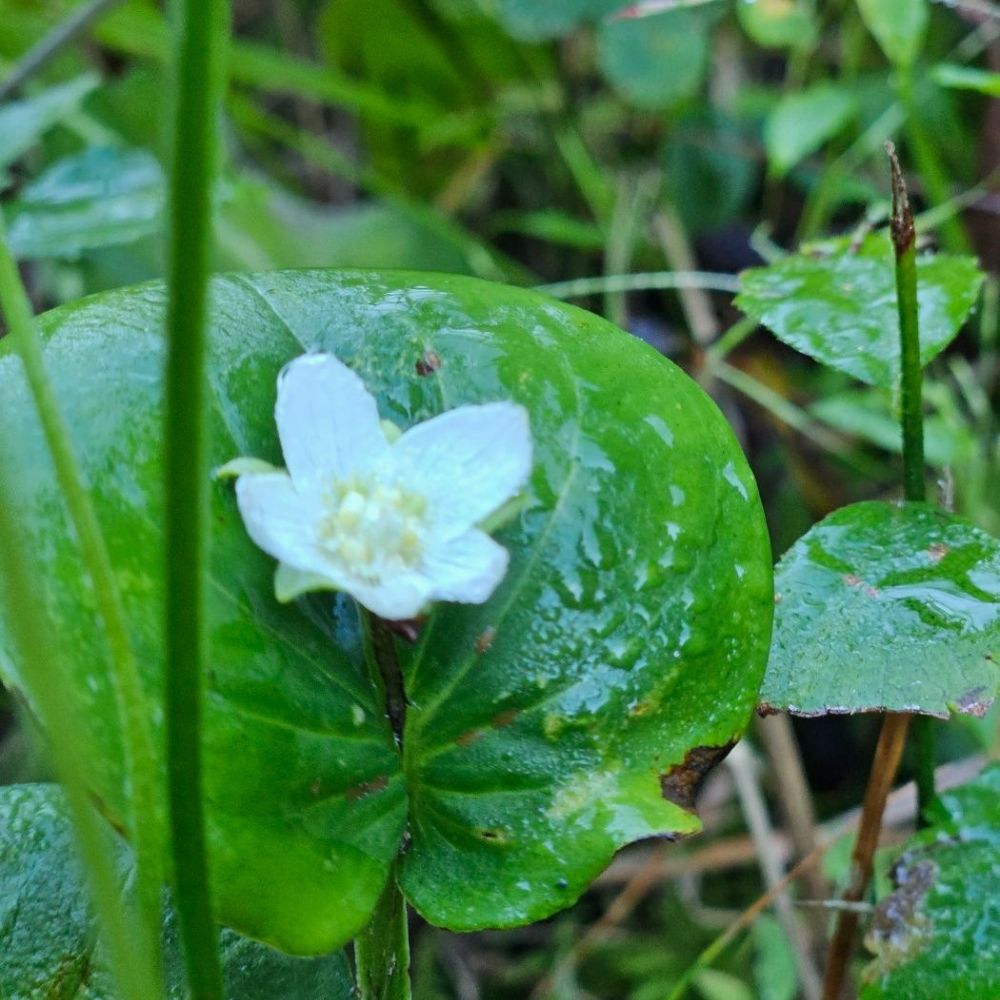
pixel 100 197
pixel 837 303
pixel 801 122
pixel 886 607
pixel 899 27
pixel 658 59
pixel 548 727
pixel 938 934
pixel 48 940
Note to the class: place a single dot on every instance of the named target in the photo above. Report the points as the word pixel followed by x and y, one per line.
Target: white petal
pixel 327 420
pixel 467 568
pixel 404 596
pixel 283 522
pixel 290 583
pixel 467 462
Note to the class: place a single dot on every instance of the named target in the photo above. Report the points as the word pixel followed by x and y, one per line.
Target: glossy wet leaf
pixel 887 607
pixel 630 630
pixel 100 197
pixel 48 940
pixel 899 27
pixel 837 303
pixel 658 59
pixel 938 934
pixel 801 122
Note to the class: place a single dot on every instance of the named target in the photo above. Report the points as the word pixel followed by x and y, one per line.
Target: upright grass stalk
pixel 201 35
pixel 133 711
pixel 892 737
pixel 44 674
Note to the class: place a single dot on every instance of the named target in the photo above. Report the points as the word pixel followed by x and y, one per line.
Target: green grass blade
pixel 201 30
pixel 133 710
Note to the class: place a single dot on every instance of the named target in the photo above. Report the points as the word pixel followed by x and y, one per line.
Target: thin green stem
pixel 382 950
pixel 202 34
pixel 645 281
pixel 133 711
pixel 44 675
pixel 911 419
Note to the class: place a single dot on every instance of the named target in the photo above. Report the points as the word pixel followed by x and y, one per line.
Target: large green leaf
pixel 837 303
pixel 887 607
pixel 779 24
pixel 569 715
pixel 938 934
pixel 48 940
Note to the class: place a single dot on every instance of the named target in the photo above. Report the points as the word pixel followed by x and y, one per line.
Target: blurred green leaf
pixel 98 198
pixel 23 123
pixel 658 59
pixel 867 414
pixel 711 168
pixel 546 728
pixel 885 607
pixel 803 121
pixel 837 303
pixel 967 78
pixel 779 24
pixel 938 934
pixel 533 20
pixel 713 984
pixel 774 966
pixel 48 939
pixel 899 27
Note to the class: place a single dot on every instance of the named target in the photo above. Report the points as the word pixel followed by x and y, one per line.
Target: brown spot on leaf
pixel 975 702
pixel 937 551
pixel 851 580
pixel 367 788
pixel 504 719
pixel 764 710
pixel 430 362
pixel 681 783
pixel 470 737
pixel 899 929
pixel 871 592
pixel 484 640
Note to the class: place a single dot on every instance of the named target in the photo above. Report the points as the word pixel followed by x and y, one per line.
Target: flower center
pixel 373 528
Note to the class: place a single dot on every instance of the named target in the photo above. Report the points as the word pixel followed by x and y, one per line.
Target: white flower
pixel 391 522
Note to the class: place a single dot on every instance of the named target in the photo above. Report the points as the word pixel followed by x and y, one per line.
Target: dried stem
pixel 888 752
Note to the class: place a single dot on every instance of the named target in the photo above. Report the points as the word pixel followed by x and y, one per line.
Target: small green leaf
pixel 23 123
pixel 778 24
pixel 533 21
pixel 657 59
pixel 938 934
pixel 884 607
pixel 47 937
pixel 98 198
pixel 837 303
pixel 899 27
pixel 546 728
pixel 801 122
pixel 967 78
